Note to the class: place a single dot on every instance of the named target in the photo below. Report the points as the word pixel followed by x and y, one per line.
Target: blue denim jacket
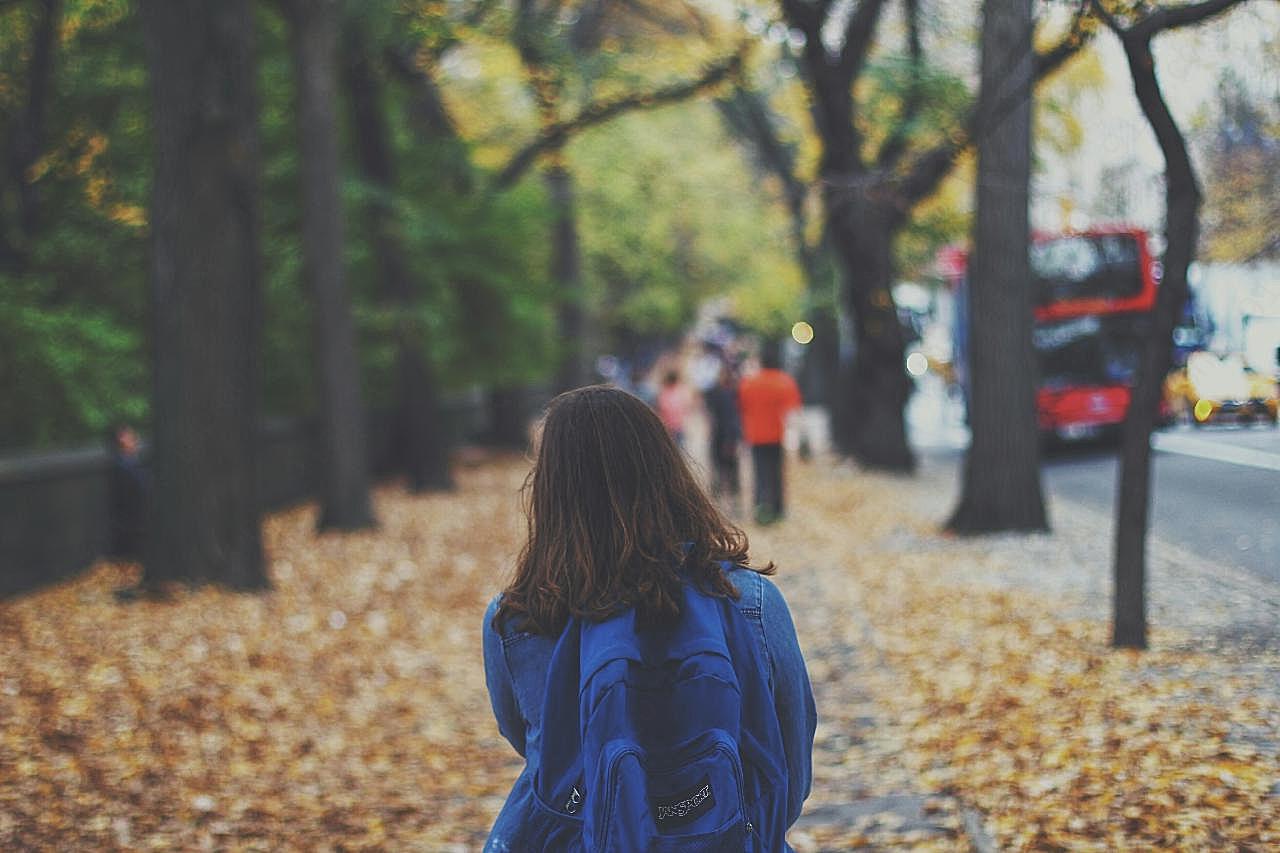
pixel 516 664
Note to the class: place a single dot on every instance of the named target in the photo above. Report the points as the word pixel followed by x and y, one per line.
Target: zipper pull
pixel 575 800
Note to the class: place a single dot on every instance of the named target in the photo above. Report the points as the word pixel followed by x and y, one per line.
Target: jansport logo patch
pixel 685 806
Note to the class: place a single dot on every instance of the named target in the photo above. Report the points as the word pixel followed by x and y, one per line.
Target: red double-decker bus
pixel 1094 291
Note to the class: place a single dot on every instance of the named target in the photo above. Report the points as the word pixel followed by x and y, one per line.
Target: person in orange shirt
pixel 765 400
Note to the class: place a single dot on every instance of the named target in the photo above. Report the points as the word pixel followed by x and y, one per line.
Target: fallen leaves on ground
pixel 346 709
pixel 991 697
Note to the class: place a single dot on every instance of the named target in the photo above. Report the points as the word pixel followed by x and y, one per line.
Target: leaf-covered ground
pixel 346 709
pixel 1003 701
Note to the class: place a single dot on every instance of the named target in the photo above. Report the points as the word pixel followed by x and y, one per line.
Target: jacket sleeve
pixel 497 676
pixel 793 697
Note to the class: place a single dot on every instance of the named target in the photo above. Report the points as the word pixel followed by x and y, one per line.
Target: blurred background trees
pixel 473 198
pixel 878 165
pixel 1241 180
pixel 75 131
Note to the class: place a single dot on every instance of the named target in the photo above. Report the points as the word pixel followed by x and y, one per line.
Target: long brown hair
pixel 616 519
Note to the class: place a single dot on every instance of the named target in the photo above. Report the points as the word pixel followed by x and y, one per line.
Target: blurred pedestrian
pixel 726 434
pixel 642 387
pixel 127 490
pixel 705 370
pixel 765 400
pixel 675 403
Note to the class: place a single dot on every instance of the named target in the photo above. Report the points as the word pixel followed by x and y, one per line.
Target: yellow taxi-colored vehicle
pixel 1220 389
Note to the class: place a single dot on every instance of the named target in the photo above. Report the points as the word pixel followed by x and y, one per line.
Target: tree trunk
pixel 747 116
pixel 344 467
pixel 868 420
pixel 420 424
pixel 508 418
pixel 205 288
pixel 420 449
pixel 566 276
pixel 1002 467
pixel 429 116
pixel 28 139
pixel 874 387
pixel 822 357
pixel 1182 203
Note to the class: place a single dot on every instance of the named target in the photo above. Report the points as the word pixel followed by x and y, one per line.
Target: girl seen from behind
pixel 650 678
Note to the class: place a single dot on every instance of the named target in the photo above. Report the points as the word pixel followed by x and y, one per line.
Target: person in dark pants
pixel 765 400
pixel 726 433
pixel 127 494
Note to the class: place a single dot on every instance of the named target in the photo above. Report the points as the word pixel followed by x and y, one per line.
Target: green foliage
pixel 483 309
pixel 943 102
pixel 883 90
pixel 669 217
pixel 73 354
pixel 481 305
pixel 72 303
pixel 288 383
pixel 941 220
pixel 66 371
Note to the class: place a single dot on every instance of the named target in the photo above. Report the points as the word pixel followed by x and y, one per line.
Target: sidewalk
pixel 968 697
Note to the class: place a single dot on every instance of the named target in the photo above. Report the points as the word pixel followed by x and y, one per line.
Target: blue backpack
pixel 659 739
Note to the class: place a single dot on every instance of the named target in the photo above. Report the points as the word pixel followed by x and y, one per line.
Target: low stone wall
pixel 53 515
pixel 53 505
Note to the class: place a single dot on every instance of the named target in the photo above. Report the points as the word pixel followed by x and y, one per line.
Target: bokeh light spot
pixel 802 332
pixel 917 364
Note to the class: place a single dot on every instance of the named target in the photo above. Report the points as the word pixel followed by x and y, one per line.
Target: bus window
pixel 1096 266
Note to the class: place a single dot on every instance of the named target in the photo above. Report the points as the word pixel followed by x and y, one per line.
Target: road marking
pixel 1203 448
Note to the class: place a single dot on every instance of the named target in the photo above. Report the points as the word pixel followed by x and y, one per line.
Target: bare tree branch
pixel 532 21
pixel 859 34
pixel 896 144
pixel 1112 22
pixel 473 18
pixel 1051 60
pixel 808 18
pixel 1136 39
pixel 27 139
pixel 745 111
pixel 932 166
pixel 428 105
pixel 1173 17
pixel 557 133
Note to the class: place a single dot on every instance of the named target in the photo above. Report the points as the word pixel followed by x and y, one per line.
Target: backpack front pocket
pixel 680 800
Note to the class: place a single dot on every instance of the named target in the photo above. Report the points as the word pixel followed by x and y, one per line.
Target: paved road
pixel 1215 491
